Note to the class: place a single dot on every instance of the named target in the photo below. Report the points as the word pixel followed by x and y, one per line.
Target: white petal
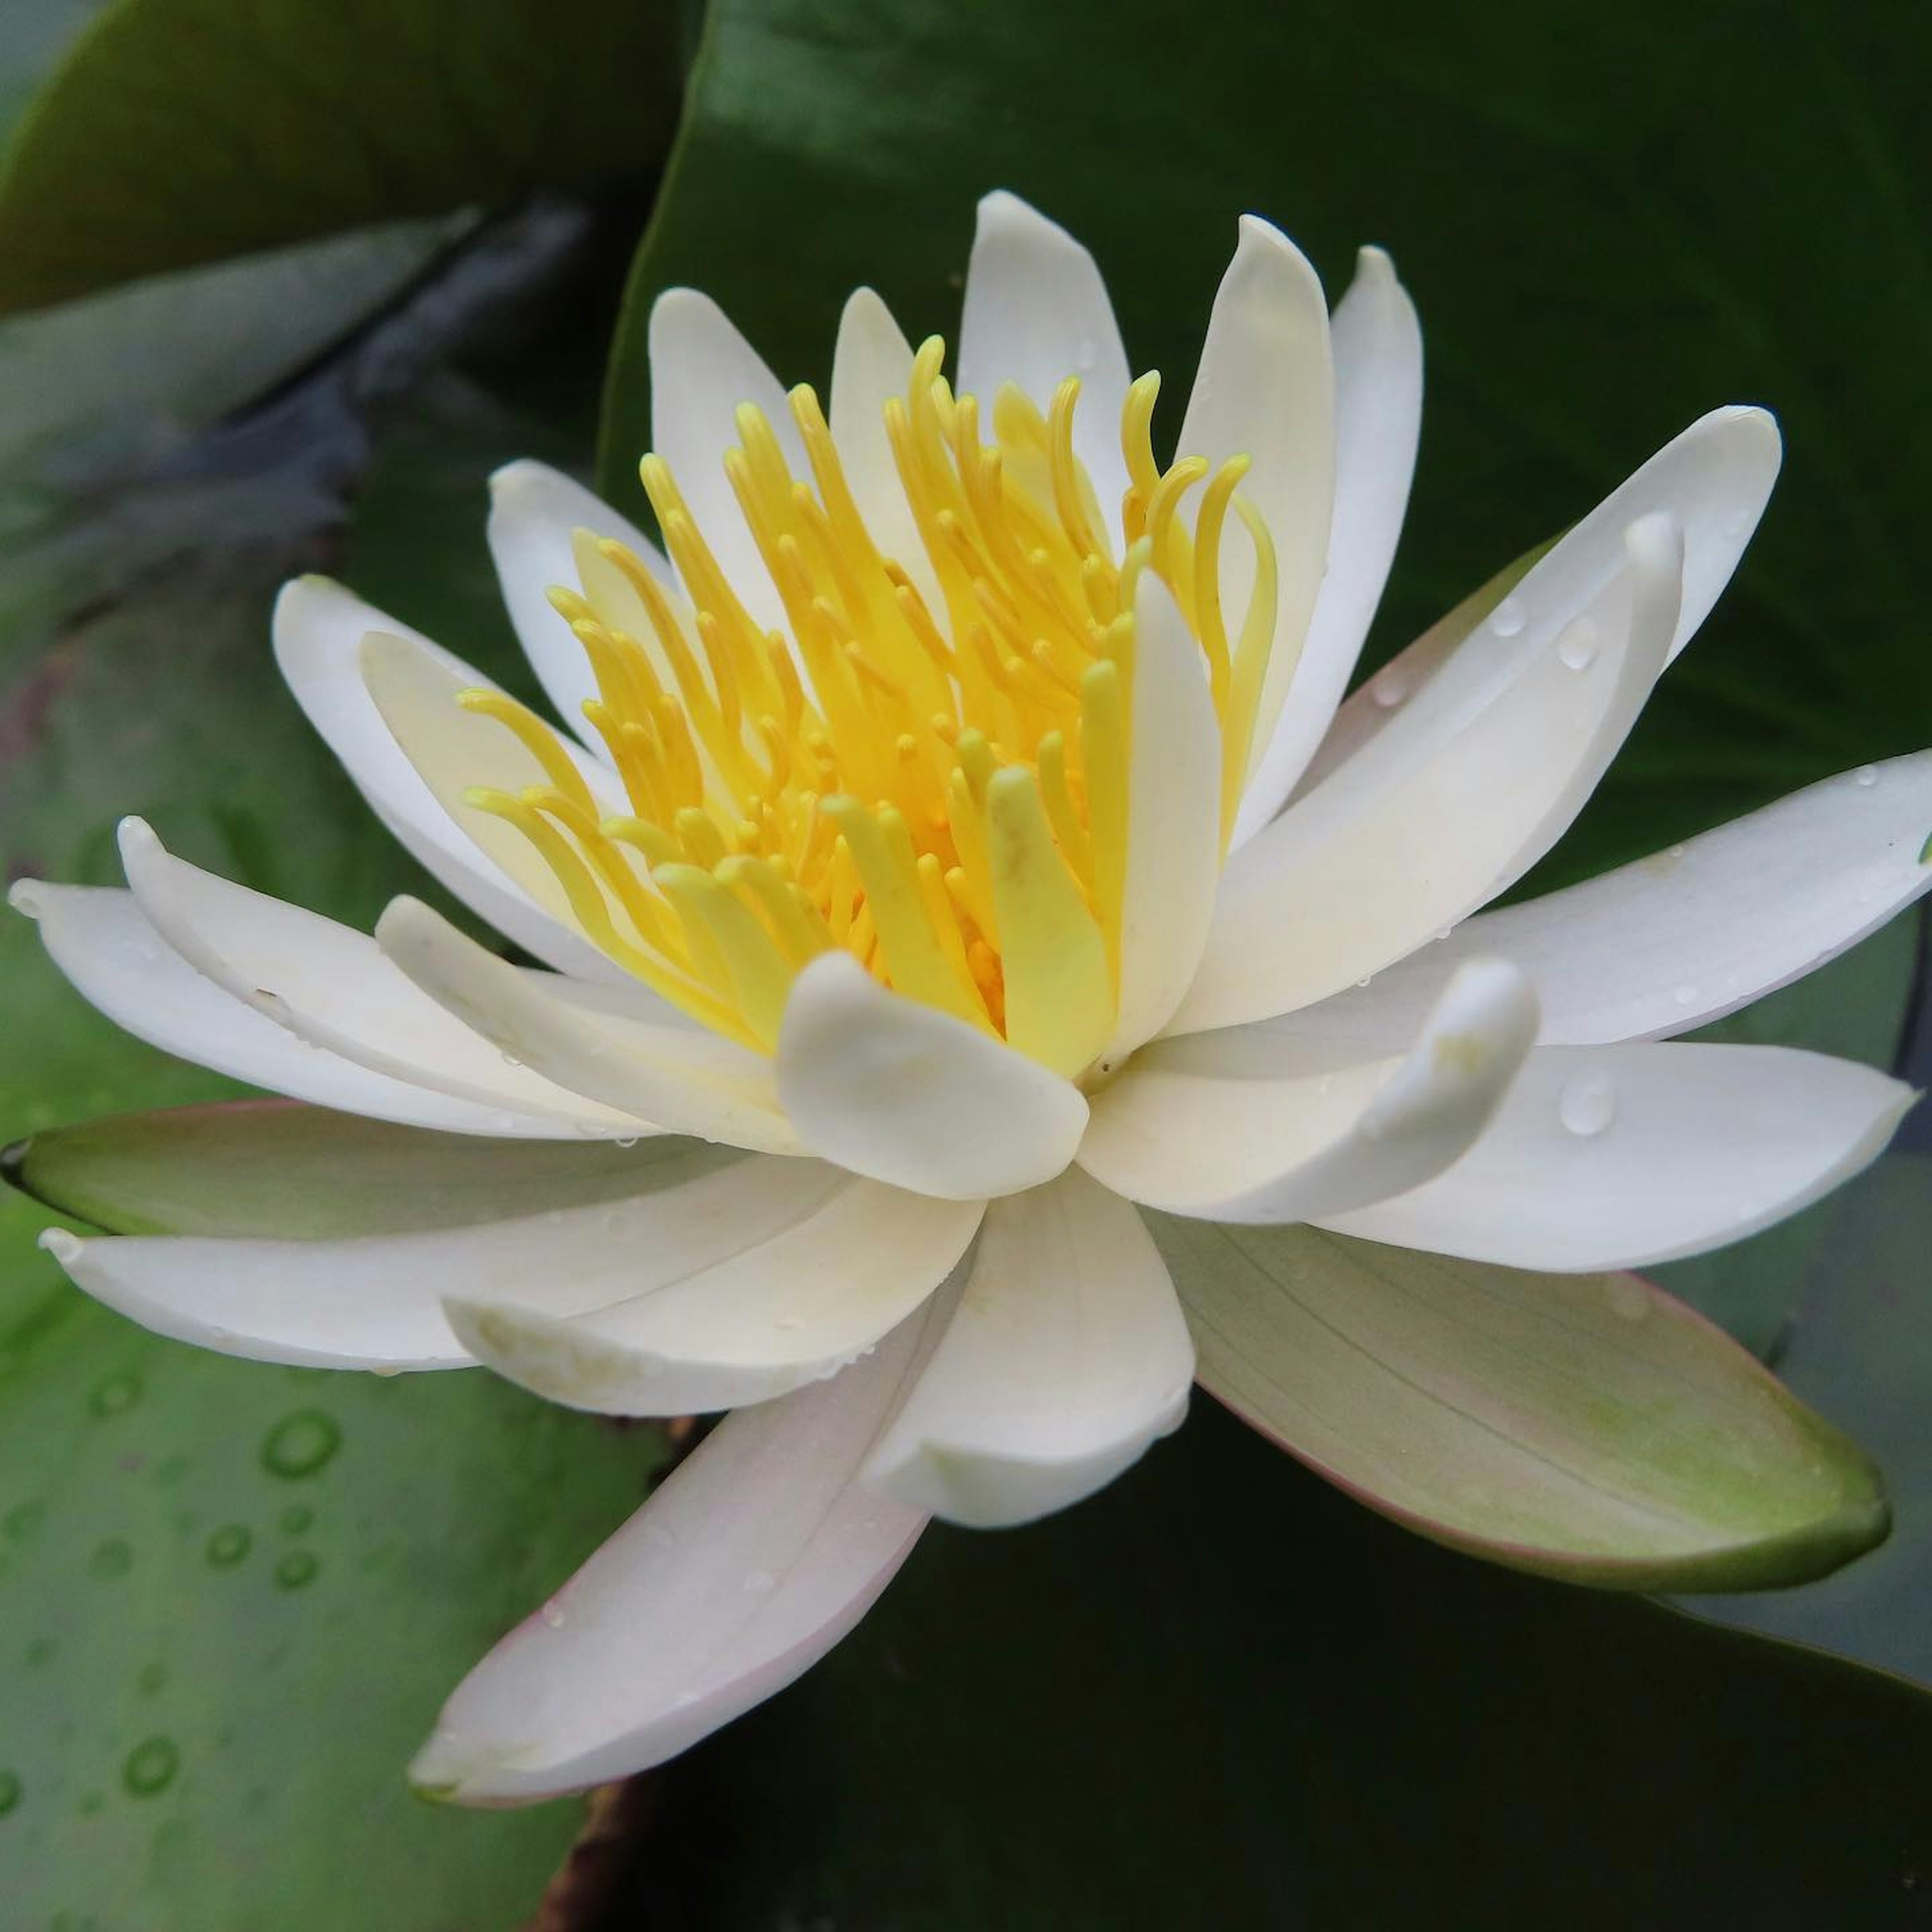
pixel 702 369
pixel 1714 479
pixel 311 1303
pixel 1266 388
pixel 686 1081
pixel 1620 1156
pixel 1174 819
pixel 1681 938
pixel 1247 1126
pixel 911 1096
pixel 1067 1357
pixel 755 1557
pixel 534 511
pixel 331 987
pixel 871 364
pixel 1359 874
pixel 1036 312
pixel 1377 343
pixel 101 940
pixel 798 1268
pixel 319 629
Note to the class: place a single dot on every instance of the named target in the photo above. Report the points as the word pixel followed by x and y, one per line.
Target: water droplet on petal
pixel 790 1321
pixel 150 1767
pixel 1086 355
pixel 1865 775
pixel 659 1537
pixel 511 1059
pixel 1587 1103
pixel 628 1142
pixel 1388 687
pixel 301 1443
pixel 553 1613
pixel 1508 617
pixel 760 1582
pixel 1576 644
pixel 1685 995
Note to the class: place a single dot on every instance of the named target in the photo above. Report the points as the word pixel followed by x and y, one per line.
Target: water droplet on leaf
pixel 10 1792
pixel 229 1545
pixel 150 1767
pixel 115 1395
pixel 297 1568
pixel 297 1518
pixel 301 1443
pixel 112 1558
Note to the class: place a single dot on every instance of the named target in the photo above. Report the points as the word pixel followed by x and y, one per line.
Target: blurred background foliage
pixel 282 282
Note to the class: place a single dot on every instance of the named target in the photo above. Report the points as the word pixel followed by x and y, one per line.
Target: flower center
pixel 940 791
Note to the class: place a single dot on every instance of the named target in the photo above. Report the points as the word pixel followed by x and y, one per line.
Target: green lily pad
pixel 179 131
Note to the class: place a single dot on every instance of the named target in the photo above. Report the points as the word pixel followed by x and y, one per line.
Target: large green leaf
pixel 178 131
pixel 1582 1427
pixel 1609 224
pixel 1220 1694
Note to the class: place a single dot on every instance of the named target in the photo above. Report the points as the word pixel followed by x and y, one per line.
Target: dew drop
pixel 1388 687
pixel 1576 644
pixel 273 1006
pixel 10 1792
pixel 1086 355
pixel 629 1141
pixel 43 1650
pixel 553 1613
pixel 1368 982
pixel 153 1676
pixel 112 1558
pixel 1685 995
pixel 1587 1103
pixel 760 1582
pixel 511 1059
pixel 1508 617
pixel 229 1545
pixel 22 1519
pixel 297 1568
pixel 301 1443
pixel 296 1520
pixel 1626 1297
pixel 115 1395
pixel 1865 775
pixel 150 1767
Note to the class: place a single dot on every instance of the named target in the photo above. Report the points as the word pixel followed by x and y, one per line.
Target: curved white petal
pixel 800 1268
pixel 1247 1126
pixel 1035 312
pixel 1377 343
pixel 1174 819
pixel 1620 1156
pixel 535 513
pixel 702 369
pixel 751 1561
pixel 304 1303
pixel 871 364
pixel 1685 936
pixel 686 1081
pixel 1714 478
pixel 1067 1356
pixel 114 959
pixel 414 689
pixel 319 629
pixel 1266 388
pixel 911 1096
pixel 331 987
pixel 1357 875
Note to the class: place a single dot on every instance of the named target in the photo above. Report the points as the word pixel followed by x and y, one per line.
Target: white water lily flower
pixel 962 822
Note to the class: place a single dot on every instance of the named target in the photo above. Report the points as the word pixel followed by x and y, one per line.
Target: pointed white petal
pixel 1036 312
pixel 1174 819
pixel 319 629
pixel 798 1268
pixel 1378 351
pixel 702 369
pixel 1621 1156
pixel 912 1096
pixel 1360 873
pixel 746 1567
pixel 534 511
pixel 686 1081
pixel 871 364
pixel 1681 938
pixel 1067 1357
pixel 102 941
pixel 331 987
pixel 1266 389
pixel 1715 478
pixel 1247 1126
